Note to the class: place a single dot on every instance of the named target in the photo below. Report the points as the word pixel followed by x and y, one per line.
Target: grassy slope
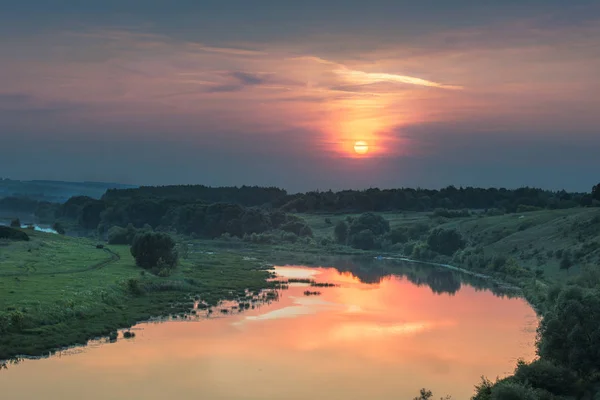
pixel 526 237
pixel 64 302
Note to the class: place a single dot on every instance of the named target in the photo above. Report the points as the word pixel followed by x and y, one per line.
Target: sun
pixel 361 147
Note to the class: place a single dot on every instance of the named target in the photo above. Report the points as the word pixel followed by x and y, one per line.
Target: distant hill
pixel 55 191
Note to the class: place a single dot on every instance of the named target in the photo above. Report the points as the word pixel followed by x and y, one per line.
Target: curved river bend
pixel 371 337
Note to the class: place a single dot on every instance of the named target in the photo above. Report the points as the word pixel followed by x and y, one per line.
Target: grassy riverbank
pixel 59 291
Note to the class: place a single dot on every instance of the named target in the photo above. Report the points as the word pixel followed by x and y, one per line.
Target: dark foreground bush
pixel 545 375
pixel 13 234
pixel 513 391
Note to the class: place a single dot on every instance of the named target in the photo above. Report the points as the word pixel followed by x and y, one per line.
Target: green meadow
pixel 59 291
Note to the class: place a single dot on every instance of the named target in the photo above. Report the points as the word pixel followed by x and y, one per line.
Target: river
pixel 373 336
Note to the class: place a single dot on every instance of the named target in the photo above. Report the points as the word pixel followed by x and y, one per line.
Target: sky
pixel 277 93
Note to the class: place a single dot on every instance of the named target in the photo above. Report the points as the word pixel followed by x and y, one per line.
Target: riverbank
pixel 60 291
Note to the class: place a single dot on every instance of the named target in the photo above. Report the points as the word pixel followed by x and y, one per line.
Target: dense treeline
pixel 211 212
pixel 427 200
pixel 405 199
pixel 364 200
pixel 121 217
pixel 245 195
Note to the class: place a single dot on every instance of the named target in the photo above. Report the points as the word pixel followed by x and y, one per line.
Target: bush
pixel 508 390
pixel 15 223
pixel 289 237
pixel 521 208
pixel 340 232
pixel 566 262
pixel 398 235
pixel 297 227
pixel 129 335
pixel 483 391
pixel 445 213
pixel 17 320
pixel 118 235
pixel 370 221
pixel 134 287
pixel 13 234
pixel 416 231
pixel 151 249
pixel 59 228
pixel 569 332
pixel 364 240
pixel 545 375
pixel 445 241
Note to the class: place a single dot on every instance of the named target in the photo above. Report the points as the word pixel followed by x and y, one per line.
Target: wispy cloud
pixel 361 77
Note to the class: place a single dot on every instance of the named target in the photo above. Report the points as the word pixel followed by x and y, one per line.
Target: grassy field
pixel 58 291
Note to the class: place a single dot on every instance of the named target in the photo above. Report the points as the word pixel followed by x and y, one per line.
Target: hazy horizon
pixel 491 94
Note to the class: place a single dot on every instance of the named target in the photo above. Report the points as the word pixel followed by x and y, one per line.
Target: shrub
pixel 445 241
pixel 445 213
pixel 134 287
pixel 569 331
pixel 545 375
pixel 164 272
pixel 417 230
pixel 521 208
pixel 340 232
pixel 483 391
pixel 4 323
pixel 59 228
pixel 297 227
pixel 499 262
pixel 290 237
pixel 507 390
pixel 566 262
pixel 370 221
pixel 364 240
pixel 17 320
pixel 398 235
pixel 326 242
pixel 421 251
pixel 129 335
pixel 13 234
pixel 118 235
pixel 151 249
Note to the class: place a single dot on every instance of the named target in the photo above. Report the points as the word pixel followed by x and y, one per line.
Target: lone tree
pixel 15 223
pixel 154 249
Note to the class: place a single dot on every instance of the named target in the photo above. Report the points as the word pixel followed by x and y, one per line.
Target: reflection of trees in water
pixel 439 279
pixel 443 281
pixel 363 269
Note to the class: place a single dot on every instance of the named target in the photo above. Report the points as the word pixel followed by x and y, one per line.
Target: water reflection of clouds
pixel 303 306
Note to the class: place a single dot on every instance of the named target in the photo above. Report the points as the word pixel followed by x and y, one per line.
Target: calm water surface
pixel 383 339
